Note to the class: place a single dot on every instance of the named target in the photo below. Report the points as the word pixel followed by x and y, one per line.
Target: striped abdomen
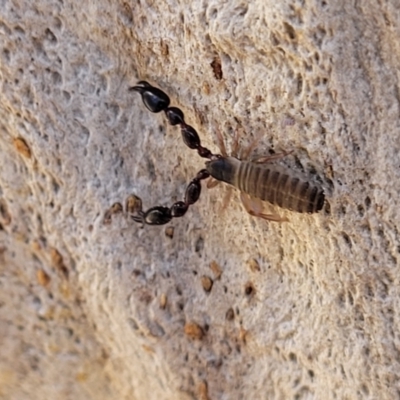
pixel 278 185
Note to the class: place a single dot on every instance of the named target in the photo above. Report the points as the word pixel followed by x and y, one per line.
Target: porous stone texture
pixel 221 305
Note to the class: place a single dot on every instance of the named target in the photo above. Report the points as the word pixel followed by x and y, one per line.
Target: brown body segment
pixel 269 182
pixel 279 186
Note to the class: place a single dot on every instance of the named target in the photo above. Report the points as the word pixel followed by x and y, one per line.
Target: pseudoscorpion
pixel 257 179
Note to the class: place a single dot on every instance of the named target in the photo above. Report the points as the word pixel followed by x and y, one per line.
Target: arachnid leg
pixel 160 215
pixel 221 143
pixel 235 144
pixel 272 157
pixel 227 198
pixel 255 206
pixel 247 151
pixel 212 183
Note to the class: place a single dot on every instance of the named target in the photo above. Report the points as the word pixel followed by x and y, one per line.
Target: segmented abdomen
pixel 279 186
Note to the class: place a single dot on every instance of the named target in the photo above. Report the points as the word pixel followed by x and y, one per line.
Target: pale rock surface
pixel 95 311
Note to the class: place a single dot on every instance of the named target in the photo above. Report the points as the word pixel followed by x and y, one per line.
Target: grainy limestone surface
pixel 230 307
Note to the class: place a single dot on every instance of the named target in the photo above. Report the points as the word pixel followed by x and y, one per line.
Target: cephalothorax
pixel 257 179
